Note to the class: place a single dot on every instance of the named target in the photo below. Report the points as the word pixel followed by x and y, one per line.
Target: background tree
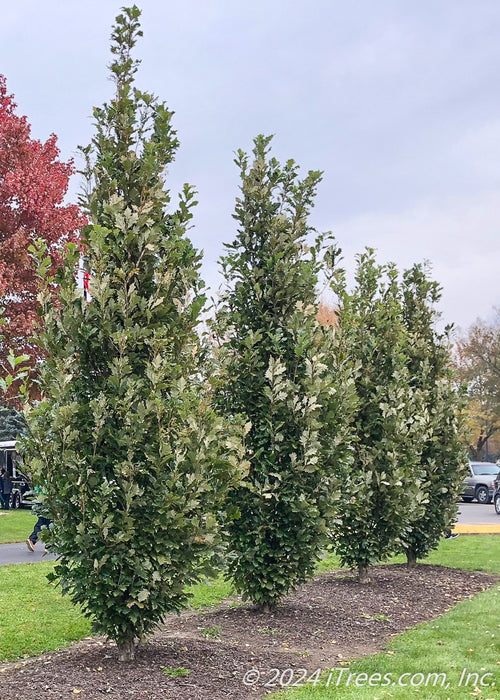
pixel 12 423
pixel 13 370
pixel 440 432
pixel 134 462
pixel 33 183
pixel 478 367
pixel 276 373
pixel 380 483
pixel 327 315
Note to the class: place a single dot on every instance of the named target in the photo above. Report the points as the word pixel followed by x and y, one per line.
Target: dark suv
pixel 496 493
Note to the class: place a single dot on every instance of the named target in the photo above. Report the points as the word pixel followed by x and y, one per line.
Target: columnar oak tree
pixel 380 483
pixel 33 183
pixel 135 464
pixel 275 371
pixel 440 433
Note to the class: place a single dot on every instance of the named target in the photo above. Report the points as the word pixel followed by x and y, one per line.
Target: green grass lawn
pixel 437 660
pixel 34 617
pixel 16 525
pixel 471 552
pixel 468 637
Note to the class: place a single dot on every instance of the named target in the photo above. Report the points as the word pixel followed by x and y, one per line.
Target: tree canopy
pixel 438 426
pixel 135 464
pixel 277 374
pixel 478 367
pixel 380 480
pixel 33 184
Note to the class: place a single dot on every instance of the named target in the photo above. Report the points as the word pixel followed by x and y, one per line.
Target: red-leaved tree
pixel 33 184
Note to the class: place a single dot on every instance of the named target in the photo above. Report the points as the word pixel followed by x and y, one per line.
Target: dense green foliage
pixel 134 462
pixel 12 422
pixel 380 483
pixel 442 459
pixel 350 432
pixel 279 370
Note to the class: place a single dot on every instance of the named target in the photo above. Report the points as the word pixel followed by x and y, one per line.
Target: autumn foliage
pixel 327 315
pixel 33 183
pixel 478 367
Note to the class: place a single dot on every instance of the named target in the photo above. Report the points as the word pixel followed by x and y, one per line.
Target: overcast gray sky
pixel 397 102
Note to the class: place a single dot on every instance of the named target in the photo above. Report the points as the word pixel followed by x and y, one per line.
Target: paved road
pixel 477 514
pixel 471 517
pixel 18 553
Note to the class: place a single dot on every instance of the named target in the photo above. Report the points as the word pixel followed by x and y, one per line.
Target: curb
pixel 477 529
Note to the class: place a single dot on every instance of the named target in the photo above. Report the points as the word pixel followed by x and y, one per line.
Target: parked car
pixel 479 484
pixel 22 494
pixel 496 493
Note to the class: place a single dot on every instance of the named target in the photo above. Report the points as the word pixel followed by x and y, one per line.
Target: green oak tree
pixel 280 371
pixel 443 458
pixel 135 464
pixel 380 481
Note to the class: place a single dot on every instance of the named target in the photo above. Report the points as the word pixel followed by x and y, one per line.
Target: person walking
pixel 42 521
pixel 6 486
pixel 40 524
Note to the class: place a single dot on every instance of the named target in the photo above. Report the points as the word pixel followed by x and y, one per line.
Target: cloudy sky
pixel 397 102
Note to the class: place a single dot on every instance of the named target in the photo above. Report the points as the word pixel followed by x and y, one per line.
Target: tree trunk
pixel 478 450
pixel 127 650
pixel 411 558
pixel 363 574
pixel 266 608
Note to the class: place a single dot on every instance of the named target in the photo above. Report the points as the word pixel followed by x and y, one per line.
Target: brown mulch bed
pixel 328 620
